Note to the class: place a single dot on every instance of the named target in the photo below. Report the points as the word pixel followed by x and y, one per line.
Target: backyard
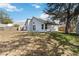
pixel 18 43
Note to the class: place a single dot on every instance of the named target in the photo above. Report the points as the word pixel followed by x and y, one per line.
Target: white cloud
pixel 9 7
pixel 36 5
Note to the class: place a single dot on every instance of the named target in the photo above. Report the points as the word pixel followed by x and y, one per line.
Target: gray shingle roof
pixel 45 21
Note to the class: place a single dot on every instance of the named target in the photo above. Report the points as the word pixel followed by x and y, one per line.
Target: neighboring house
pixel 5 26
pixel 40 25
pixel 2 26
pixel 8 26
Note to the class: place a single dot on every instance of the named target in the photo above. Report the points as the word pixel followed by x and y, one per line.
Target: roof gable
pixel 43 21
pixel 40 20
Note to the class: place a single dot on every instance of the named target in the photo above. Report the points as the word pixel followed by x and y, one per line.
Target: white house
pixel 40 25
pixel 5 26
pixel 2 26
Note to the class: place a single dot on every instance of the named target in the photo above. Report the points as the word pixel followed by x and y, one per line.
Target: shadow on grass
pixel 72 34
pixel 8 46
pixel 48 46
pixel 63 40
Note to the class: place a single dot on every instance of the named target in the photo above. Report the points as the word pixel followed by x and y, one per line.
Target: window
pixel 26 27
pixel 33 22
pixel 45 26
pixel 42 26
pixel 34 27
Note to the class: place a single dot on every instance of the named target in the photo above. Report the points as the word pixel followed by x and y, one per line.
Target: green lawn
pixel 71 40
pixel 68 43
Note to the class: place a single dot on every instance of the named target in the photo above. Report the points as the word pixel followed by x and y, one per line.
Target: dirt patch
pixel 18 43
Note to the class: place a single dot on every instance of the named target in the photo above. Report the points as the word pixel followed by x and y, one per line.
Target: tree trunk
pixel 68 26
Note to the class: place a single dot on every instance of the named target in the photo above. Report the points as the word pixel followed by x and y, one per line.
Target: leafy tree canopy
pixel 4 17
pixel 65 11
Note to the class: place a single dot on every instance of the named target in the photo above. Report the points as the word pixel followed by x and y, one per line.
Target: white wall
pixel 28 25
pixel 38 24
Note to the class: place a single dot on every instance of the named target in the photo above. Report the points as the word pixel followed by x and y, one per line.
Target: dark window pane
pixel 34 27
pixel 45 26
pixel 42 26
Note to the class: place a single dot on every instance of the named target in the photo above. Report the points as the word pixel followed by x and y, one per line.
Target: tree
pixel 7 21
pixel 16 25
pixel 4 17
pixel 65 11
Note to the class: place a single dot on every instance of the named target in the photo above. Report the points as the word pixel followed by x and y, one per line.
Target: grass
pixel 67 41
pixel 65 37
pixel 71 40
pixel 39 44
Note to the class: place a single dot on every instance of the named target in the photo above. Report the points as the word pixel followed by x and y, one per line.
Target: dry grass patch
pixel 36 44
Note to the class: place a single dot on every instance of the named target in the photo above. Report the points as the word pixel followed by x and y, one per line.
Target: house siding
pixel 34 22
pixel 38 25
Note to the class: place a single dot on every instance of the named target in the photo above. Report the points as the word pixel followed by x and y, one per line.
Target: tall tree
pixel 65 11
pixel 4 17
pixel 7 21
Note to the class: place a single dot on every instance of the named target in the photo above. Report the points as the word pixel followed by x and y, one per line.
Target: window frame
pixel 42 26
pixel 34 27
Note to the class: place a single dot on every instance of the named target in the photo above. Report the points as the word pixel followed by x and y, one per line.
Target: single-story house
pixel 40 25
pixel 2 26
pixel 5 26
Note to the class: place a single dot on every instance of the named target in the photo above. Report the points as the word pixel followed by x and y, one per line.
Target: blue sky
pixel 21 11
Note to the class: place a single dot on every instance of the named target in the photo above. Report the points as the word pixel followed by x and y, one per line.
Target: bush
pixel 16 25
